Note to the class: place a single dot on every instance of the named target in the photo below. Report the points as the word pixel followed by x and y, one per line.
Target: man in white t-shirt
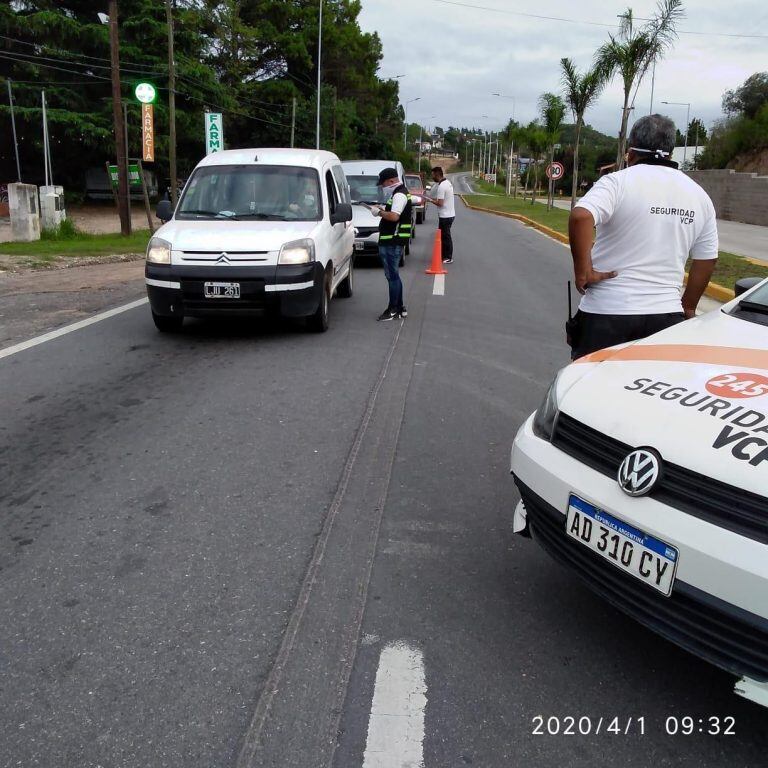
pixel 441 195
pixel 650 218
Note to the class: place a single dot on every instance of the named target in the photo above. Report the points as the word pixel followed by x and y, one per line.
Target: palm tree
pixel 552 109
pixel 633 51
pixel 537 140
pixel 581 91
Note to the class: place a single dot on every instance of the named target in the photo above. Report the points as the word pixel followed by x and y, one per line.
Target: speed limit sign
pixel 555 171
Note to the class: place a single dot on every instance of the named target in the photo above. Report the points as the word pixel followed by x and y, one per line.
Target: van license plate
pixel 221 290
pixel 640 555
pixel 359 245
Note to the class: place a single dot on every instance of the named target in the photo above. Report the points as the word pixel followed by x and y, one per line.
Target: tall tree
pixel 749 97
pixel 632 52
pixel 581 91
pixel 552 109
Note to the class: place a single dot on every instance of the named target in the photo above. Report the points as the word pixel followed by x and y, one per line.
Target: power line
pixel 566 20
pixel 37 59
pixel 56 49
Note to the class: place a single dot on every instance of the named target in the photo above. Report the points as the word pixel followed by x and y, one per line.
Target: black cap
pixel 386 174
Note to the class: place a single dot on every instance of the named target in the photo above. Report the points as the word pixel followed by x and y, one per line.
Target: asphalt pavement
pixel 247 545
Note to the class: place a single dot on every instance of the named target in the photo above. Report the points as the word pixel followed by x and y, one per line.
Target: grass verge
pixel 57 248
pixel 730 266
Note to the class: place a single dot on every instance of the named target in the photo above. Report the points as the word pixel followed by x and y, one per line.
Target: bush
pixel 65 231
pixel 734 137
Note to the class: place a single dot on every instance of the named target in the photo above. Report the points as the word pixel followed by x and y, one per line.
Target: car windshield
pixel 754 307
pixel 364 189
pixel 413 182
pixel 255 192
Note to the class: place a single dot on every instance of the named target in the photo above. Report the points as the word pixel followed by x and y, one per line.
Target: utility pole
pixel 319 62
pixel 13 125
pixel 123 199
pixel 293 123
pixel 171 103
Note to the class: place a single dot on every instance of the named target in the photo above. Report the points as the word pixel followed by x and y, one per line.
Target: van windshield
pixel 364 189
pixel 754 307
pixel 267 192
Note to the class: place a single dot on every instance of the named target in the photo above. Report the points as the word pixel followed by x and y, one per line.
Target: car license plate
pixel 640 555
pixel 221 290
pixel 359 245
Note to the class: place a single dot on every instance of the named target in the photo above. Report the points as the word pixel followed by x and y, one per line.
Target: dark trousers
pixel 590 332
pixel 390 256
pixel 444 225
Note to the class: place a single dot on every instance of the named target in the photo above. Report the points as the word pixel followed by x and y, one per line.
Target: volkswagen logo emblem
pixel 640 471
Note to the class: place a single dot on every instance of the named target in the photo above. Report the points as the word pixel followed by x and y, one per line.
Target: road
pixel 251 546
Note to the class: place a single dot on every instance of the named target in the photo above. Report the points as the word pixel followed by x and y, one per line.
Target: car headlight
pixel 297 252
pixel 544 420
pixel 417 200
pixel 159 251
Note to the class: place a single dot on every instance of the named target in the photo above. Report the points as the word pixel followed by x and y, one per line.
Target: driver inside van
pixel 304 204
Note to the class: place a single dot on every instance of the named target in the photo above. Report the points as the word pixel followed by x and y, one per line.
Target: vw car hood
pixel 697 393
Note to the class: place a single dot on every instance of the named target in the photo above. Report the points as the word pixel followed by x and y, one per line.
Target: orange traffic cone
pixel 437 256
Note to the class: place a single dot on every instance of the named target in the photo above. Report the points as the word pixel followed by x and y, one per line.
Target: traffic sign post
pixel 214 132
pixel 148 133
pixel 555 171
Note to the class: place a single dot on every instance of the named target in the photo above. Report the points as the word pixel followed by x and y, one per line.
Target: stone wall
pixel 737 196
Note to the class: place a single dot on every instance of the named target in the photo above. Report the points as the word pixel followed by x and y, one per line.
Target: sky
pixel 455 53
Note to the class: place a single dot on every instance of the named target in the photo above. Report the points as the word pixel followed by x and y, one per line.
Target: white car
pixel 255 231
pixel 363 176
pixel 645 471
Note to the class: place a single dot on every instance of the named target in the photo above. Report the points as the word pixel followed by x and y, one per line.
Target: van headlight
pixel 297 252
pixel 159 251
pixel 544 420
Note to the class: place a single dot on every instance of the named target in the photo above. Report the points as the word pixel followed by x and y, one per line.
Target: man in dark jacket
pixel 394 234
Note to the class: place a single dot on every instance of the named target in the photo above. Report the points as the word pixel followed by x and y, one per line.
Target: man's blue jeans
pixel 390 256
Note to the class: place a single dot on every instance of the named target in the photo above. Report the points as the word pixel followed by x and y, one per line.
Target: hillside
pixel 752 162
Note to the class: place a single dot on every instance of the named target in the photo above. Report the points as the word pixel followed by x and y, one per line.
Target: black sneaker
pixel 447 261
pixel 403 312
pixel 387 314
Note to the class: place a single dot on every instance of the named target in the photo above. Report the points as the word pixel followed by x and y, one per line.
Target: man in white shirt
pixel 441 195
pixel 650 218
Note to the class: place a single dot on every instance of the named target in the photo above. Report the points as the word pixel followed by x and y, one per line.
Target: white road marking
pixel 438 289
pixel 8 351
pixel 396 726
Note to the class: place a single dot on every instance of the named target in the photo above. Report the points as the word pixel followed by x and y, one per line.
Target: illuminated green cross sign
pixel 145 93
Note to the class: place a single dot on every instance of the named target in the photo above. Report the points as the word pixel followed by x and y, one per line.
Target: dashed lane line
pixel 396 725
pixel 438 289
pixel 8 351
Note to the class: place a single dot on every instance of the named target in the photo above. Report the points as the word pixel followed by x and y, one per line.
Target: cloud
pixel 455 57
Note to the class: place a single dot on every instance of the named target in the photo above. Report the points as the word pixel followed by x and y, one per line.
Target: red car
pixel 415 184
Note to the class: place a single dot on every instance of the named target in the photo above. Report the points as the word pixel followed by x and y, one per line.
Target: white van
pixel 363 176
pixel 255 231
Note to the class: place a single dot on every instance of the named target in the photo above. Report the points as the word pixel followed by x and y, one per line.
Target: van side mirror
pixel 745 283
pixel 164 210
pixel 343 213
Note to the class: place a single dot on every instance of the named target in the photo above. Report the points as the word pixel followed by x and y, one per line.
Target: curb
pixel 519 217
pixel 713 290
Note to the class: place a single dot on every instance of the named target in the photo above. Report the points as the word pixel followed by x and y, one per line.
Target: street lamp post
pixel 687 122
pixel 405 128
pixel 511 98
